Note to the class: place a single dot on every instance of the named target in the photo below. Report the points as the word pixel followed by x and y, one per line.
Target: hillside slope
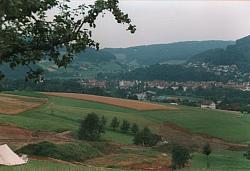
pixel 237 54
pixel 161 53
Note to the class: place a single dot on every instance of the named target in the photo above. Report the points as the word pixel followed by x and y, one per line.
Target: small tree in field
pixel 91 128
pixel 180 156
pixel 134 128
pixel 207 151
pixel 103 120
pixel 115 123
pixel 125 126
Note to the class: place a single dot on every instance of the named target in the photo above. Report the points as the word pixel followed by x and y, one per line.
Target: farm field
pixel 61 114
pixel 131 104
pixel 11 104
pixel 220 161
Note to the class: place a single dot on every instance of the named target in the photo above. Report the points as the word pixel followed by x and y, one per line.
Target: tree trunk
pixel 208 164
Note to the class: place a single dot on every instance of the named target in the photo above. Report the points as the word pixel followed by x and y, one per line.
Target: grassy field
pixel 61 114
pixel 220 161
pixel 36 165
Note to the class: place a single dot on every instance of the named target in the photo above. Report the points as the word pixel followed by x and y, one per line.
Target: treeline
pixel 93 126
pixel 51 85
pixel 169 73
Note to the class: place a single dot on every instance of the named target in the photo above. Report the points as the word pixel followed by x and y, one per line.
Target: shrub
pixel 67 152
pixel 146 138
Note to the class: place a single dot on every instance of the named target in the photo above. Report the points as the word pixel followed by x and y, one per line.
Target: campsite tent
pixel 8 157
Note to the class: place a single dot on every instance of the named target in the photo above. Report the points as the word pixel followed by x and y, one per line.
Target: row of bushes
pixel 92 127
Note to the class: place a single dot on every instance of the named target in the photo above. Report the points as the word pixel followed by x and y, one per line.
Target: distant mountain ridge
pixel 160 53
pixel 90 62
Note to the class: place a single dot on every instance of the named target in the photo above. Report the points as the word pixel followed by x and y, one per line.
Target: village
pixel 159 84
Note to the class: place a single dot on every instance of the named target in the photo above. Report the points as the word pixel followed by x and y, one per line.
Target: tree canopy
pixel 91 128
pixel 28 36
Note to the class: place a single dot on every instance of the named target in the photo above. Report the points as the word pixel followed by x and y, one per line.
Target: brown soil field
pixel 131 104
pixel 13 104
pixel 175 134
pixel 17 137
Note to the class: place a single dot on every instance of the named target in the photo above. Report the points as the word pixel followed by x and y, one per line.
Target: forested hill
pixel 160 53
pixel 170 73
pixel 86 64
pixel 237 54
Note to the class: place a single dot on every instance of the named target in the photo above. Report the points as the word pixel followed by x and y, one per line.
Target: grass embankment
pixel 37 165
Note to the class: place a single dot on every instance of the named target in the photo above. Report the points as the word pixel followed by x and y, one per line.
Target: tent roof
pixel 8 157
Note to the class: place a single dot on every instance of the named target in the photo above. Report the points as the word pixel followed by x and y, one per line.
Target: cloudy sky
pixel 162 21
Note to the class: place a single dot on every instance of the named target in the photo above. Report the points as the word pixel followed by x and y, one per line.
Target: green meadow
pixel 61 114
pixel 36 165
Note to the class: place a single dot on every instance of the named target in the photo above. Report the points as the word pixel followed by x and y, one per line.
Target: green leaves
pixel 27 37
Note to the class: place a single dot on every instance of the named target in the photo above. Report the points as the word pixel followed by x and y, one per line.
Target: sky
pixel 165 21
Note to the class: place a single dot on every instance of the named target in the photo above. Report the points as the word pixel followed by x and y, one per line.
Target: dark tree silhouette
pixel 91 128
pixel 207 151
pixel 115 123
pixel 180 156
pixel 27 36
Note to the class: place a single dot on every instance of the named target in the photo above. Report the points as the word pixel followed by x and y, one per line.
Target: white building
pixel 208 105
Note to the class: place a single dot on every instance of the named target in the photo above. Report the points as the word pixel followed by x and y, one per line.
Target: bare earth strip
pixel 18 137
pixel 175 134
pixel 13 104
pixel 131 104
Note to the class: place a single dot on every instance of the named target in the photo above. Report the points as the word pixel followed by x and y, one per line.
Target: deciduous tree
pixel 91 128
pixel 180 156
pixel 125 126
pixel 207 151
pixel 115 123
pixel 28 36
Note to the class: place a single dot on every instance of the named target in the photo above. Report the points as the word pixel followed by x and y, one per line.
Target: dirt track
pixel 131 104
pixel 174 134
pixel 18 137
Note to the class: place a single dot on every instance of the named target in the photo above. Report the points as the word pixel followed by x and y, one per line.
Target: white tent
pixel 9 158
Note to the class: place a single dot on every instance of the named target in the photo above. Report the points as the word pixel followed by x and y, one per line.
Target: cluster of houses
pixel 159 84
pixel 94 83
pixel 216 69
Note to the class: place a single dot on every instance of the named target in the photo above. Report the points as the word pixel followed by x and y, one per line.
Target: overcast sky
pixel 165 21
